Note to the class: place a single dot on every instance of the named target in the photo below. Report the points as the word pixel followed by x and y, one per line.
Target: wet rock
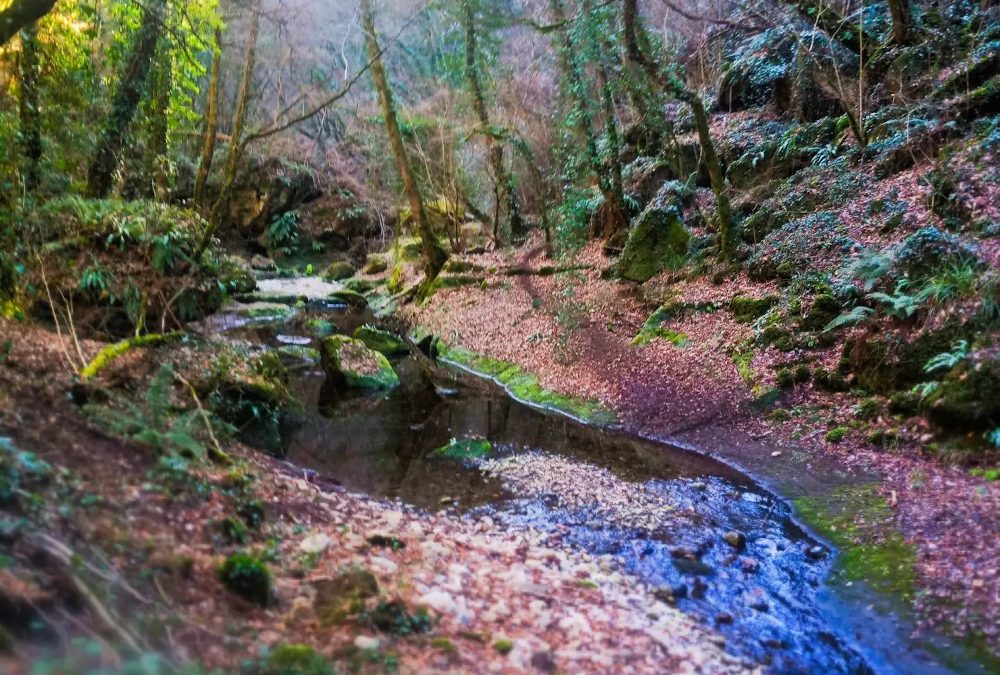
pixel 723 618
pixel 338 270
pixel 382 340
pixel 815 552
pixel 736 539
pixel 352 299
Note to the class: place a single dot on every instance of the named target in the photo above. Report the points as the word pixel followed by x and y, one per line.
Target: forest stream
pixel 707 537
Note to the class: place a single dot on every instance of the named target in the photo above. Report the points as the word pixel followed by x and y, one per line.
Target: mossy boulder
pixel 894 358
pixel 927 251
pixel 320 328
pixel 247 575
pixel 338 270
pixel 658 240
pixel 376 264
pixel 823 309
pixel 343 596
pixel 382 341
pixel 969 395
pixel 349 362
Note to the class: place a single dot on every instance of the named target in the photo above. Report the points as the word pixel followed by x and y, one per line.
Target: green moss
pixel 835 435
pixel 658 240
pixel 859 521
pixel 467 448
pixel 294 660
pixel 443 644
pixel 392 617
pixel 884 438
pixel 829 380
pixel 802 373
pixel 320 328
pixel 742 356
pixel 382 341
pixel 376 264
pixel 338 270
pixel 785 378
pixel 868 409
pixel 525 387
pixel 503 646
pixel 266 310
pixel 299 353
pixel 247 576
pixel 746 309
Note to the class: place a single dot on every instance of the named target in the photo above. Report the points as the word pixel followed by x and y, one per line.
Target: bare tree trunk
pixel 29 114
pixel 676 88
pixel 504 192
pixel 434 255
pixel 20 14
pixel 902 21
pixel 211 123
pixel 100 177
pixel 236 145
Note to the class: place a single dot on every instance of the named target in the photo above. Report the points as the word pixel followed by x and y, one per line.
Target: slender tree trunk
pixel 21 14
pixel 569 61
pixel 617 219
pixel 504 192
pixel 211 123
pixel 902 21
pixel 100 177
pixel 676 88
pixel 29 113
pixel 236 145
pixel 434 255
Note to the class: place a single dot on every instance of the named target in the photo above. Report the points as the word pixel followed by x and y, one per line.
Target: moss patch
pixel 466 448
pixel 382 341
pixel 859 521
pixel 525 387
pixel 355 365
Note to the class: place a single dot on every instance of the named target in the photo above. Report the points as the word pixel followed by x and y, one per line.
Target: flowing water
pixel 708 538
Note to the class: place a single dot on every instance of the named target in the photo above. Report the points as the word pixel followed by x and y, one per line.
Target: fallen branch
pixel 112 352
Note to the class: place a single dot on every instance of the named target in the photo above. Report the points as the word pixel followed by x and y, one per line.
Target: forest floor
pixel 123 551
pixel 576 332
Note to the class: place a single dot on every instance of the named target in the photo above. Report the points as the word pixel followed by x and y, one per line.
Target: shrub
pixel 836 435
pixel 248 577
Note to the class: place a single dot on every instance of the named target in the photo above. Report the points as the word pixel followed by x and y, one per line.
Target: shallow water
pixel 657 512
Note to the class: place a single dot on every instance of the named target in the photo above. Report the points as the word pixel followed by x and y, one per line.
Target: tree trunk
pixel 617 217
pixel 100 177
pixel 434 255
pixel 676 88
pixel 236 145
pixel 21 14
pixel 504 192
pixel 902 21
pixel 569 61
pixel 28 111
pixel 211 123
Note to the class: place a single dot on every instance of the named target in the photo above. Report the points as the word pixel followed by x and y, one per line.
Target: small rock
pixel 776 453
pixel 815 552
pixel 315 544
pixel 699 485
pixel 723 618
pixel 749 565
pixel 759 604
pixel 736 539
pixel 440 601
pixel 366 642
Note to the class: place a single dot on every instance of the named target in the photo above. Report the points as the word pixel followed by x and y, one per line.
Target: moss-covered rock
pixel 247 576
pixel 336 271
pixel 823 309
pixel 351 363
pixel 894 358
pixel 382 341
pixel 320 328
pixel 376 264
pixel 658 240
pixel 929 250
pixel 969 395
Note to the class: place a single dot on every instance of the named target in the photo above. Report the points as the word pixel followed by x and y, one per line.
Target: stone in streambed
pixel 736 539
pixel 351 363
pixel 382 340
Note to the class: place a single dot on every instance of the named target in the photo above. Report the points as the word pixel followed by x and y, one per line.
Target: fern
pixel 993 437
pixel 925 389
pixel 948 360
pixel 852 318
pixel 870 267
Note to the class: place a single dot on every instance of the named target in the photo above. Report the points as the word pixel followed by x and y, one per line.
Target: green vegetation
pixel 247 576
pixel 526 387
pixel 466 448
